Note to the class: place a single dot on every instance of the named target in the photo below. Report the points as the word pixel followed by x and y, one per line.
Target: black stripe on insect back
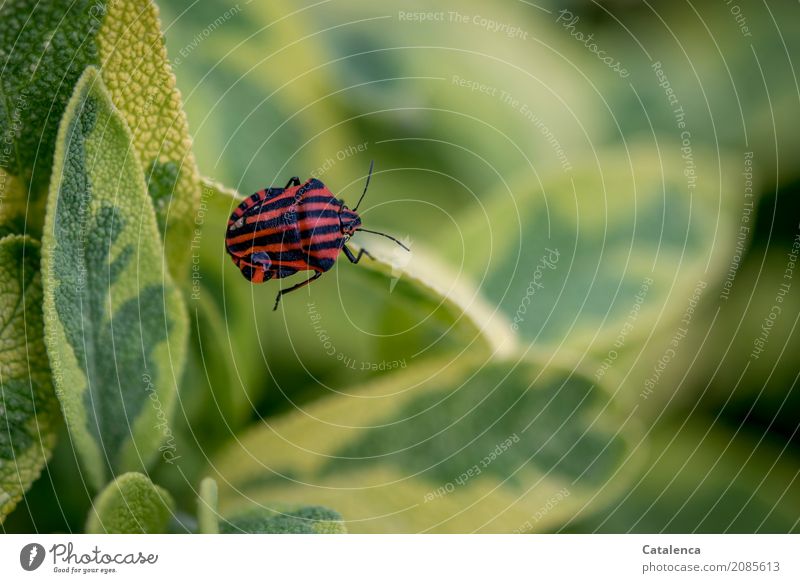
pixel 322 198
pixel 287 237
pixel 268 206
pixel 332 244
pixel 266 237
pixel 295 254
pixel 248 203
pixel 320 230
pixel 312 184
pixel 318 214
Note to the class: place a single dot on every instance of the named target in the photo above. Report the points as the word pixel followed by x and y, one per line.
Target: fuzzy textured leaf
pixel 28 405
pixel 44 48
pixel 118 329
pixel 131 504
pixel 140 81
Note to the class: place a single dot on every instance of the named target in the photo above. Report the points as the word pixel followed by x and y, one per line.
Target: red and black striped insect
pixel 277 232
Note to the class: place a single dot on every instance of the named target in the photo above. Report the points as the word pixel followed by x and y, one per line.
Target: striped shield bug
pixel 277 232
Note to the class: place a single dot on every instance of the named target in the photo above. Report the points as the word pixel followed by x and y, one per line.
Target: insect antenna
pixel 387 236
pixel 366 186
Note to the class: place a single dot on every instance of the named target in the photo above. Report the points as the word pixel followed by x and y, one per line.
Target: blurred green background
pixel 500 133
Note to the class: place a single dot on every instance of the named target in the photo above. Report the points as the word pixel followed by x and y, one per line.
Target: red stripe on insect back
pixel 274 248
pixel 318 206
pixel 262 199
pixel 307 224
pixel 321 239
pixel 249 236
pixel 268 212
pixel 299 265
pixel 247 204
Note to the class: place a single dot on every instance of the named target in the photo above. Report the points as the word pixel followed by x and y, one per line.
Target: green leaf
pixel 254 87
pixel 44 48
pixel 279 519
pixel 28 405
pixel 118 328
pixel 131 504
pixel 14 207
pixel 442 449
pixel 302 520
pixel 570 258
pixel 704 477
pixel 426 291
pixel 738 88
pixel 207 517
pixel 140 81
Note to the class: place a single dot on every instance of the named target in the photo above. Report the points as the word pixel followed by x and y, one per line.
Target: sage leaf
pixel 117 327
pixel 501 447
pixel 28 405
pixel 131 504
pixel 139 78
pixel 302 520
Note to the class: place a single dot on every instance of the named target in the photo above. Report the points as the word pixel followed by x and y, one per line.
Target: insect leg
pixel 356 258
pixel 294 287
pixel 293 181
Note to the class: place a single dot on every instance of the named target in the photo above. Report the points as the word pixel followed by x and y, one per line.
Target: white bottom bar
pixel 355 558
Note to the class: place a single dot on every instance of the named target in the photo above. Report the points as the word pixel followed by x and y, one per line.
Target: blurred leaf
pixel 566 257
pixel 744 358
pixel 117 325
pixel 139 79
pixel 302 520
pixel 261 520
pixel 255 87
pixel 457 98
pixel 28 407
pixel 207 518
pixel 131 504
pixel 215 365
pixel 439 298
pixel 441 448
pixel 738 87
pixel 703 478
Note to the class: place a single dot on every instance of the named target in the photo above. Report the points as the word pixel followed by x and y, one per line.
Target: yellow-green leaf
pixel 131 504
pixel 596 259
pixel 702 477
pixel 207 517
pixel 272 519
pixel 427 294
pixel 139 79
pixel 118 328
pixel 28 405
pixel 507 446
